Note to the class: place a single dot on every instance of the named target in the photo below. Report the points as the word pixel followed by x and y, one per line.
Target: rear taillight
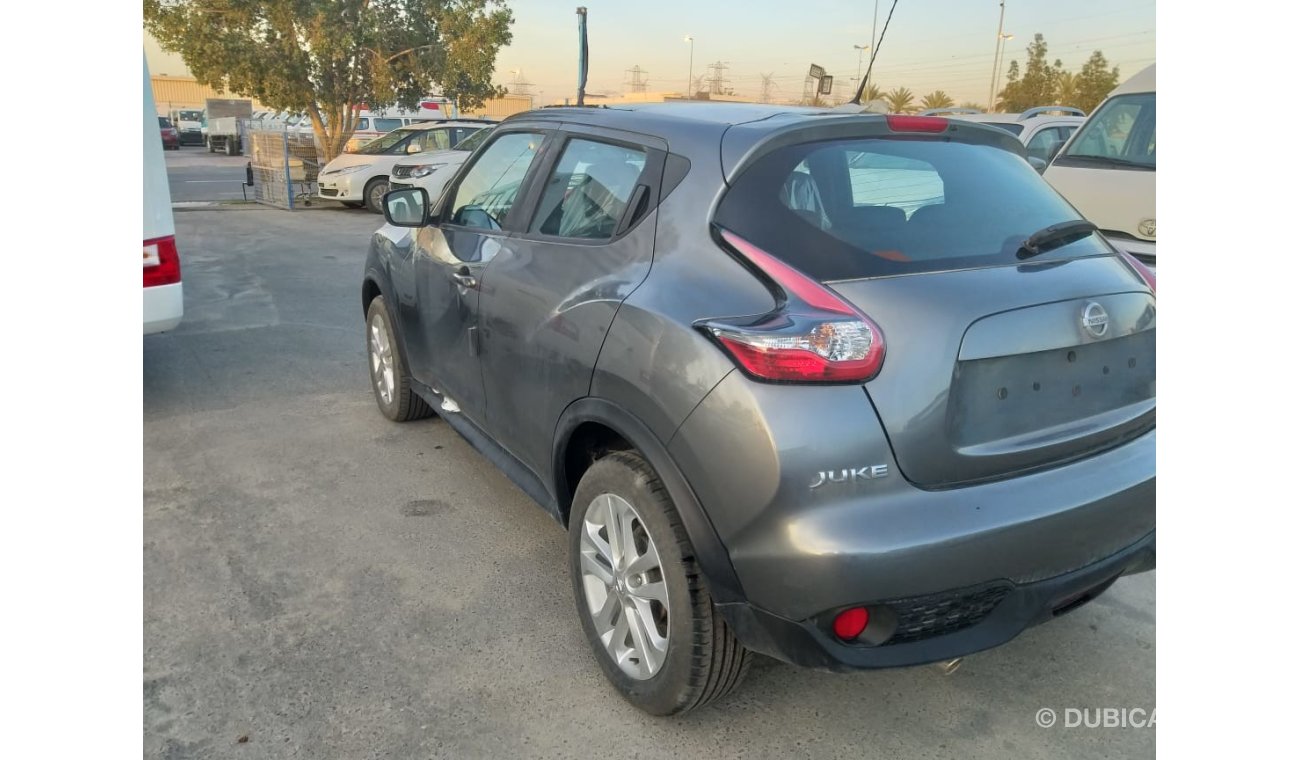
pixel 813 336
pixel 161 264
pixel 1142 270
pixel 897 123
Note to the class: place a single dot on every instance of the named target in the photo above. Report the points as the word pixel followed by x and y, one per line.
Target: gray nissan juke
pixel 847 390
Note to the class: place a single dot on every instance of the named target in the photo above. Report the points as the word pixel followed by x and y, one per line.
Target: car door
pixel 553 289
pixel 449 260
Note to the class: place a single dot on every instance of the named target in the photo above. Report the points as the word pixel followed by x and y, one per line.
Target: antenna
pixel 857 99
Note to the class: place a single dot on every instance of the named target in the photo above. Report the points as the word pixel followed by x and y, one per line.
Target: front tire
pixel 643 603
pixel 389 378
pixel 375 191
pixel 353 204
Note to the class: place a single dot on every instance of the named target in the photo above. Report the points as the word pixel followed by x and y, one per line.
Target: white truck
pixel 224 124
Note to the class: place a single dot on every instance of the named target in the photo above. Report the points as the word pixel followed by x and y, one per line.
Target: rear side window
pixel 848 209
pixel 363 124
pixel 387 125
pixel 589 189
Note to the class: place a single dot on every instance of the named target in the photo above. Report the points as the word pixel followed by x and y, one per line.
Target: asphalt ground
pixel 194 174
pixel 322 583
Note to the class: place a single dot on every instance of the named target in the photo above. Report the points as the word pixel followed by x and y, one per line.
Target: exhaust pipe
pixel 948 667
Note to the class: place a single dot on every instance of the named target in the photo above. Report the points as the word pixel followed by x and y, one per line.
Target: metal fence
pixel 285 164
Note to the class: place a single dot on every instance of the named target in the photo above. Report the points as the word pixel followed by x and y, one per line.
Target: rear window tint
pixel 847 209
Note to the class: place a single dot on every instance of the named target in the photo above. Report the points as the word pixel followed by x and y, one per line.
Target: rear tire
pixel 701 659
pixel 389 378
pixel 374 194
pixel 231 147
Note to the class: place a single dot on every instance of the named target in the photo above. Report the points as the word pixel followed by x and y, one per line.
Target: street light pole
pixel 690 72
pixel 861 49
pixel 874 14
pixel 997 44
pixel 1001 59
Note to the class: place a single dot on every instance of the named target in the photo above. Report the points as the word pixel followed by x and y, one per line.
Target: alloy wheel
pixel 624 585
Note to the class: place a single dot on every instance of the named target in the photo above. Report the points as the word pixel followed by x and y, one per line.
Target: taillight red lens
pixel 898 123
pixel 815 336
pixel 1142 270
pixel 162 265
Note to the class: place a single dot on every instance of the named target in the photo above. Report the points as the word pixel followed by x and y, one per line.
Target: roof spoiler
pixel 1067 110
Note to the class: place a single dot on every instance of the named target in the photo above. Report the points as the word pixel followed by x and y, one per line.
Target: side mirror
pixel 1039 164
pixel 408 207
pixel 412 148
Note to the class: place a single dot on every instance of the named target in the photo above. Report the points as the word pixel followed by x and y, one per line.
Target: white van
pixel 162 266
pixel 1108 168
pixel 373 124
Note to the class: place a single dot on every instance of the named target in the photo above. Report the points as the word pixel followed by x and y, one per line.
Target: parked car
pixel 432 171
pixel 1108 171
pixel 163 303
pixel 1043 130
pixel 360 178
pixel 781 404
pixel 171 139
pixel 189 121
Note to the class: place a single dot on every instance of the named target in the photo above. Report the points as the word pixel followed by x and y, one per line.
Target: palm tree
pixel 1067 88
pixel 873 92
pixel 969 104
pixel 937 99
pixel 899 100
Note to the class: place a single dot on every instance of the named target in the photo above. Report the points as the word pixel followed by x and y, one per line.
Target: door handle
pixel 465 279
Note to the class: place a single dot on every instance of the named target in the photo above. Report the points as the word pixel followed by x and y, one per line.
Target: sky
pixel 930 44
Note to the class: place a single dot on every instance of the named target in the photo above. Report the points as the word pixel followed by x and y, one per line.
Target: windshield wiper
pixel 1055 235
pixel 1110 161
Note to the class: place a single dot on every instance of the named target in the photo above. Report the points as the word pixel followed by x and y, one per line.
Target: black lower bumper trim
pixel 1024 606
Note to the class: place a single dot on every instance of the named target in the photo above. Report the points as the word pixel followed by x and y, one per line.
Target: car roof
pixel 721 114
pixel 1143 81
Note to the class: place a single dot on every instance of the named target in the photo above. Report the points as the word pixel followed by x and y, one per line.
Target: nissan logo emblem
pixel 1095 320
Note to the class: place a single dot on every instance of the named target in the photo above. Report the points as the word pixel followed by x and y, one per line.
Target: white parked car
pixel 360 178
pixel 162 265
pixel 1042 130
pixel 433 171
pixel 1108 170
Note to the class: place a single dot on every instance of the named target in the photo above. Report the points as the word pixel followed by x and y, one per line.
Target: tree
pixel 1038 85
pixel 937 99
pixel 873 92
pixel 328 58
pixel 899 100
pixel 1095 82
pixel 1067 89
pixel 972 105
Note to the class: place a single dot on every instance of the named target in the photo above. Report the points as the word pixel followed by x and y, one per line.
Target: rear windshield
pixel 1122 132
pixel 847 209
pixel 1009 126
pixel 163 121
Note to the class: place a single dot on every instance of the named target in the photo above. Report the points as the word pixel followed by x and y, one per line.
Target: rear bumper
pixel 163 307
pixel 806 643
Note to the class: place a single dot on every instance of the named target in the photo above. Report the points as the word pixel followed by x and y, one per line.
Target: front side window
pixel 1122 132
pixel 488 191
pixel 869 207
pixel 589 189
pixel 363 124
